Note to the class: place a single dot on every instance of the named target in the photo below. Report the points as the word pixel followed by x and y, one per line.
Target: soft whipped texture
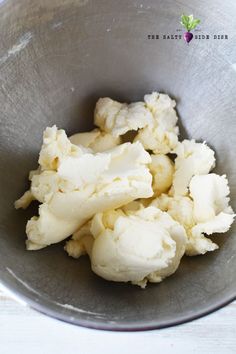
pixel 162 136
pixel 192 159
pixel 134 213
pixel 155 119
pixel 80 183
pixel 205 211
pixel 119 118
pixel 136 246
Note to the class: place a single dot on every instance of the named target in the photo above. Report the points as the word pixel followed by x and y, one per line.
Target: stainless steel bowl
pixel 56 59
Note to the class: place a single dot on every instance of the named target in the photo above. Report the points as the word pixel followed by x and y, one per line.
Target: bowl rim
pixel 43 306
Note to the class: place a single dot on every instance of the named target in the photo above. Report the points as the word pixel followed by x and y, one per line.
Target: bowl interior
pixel 56 59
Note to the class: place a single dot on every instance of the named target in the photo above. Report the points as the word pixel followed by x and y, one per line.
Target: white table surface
pixel 24 331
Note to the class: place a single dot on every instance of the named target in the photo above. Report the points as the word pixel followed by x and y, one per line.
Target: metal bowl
pixel 56 59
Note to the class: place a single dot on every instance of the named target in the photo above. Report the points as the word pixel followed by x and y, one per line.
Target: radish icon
pixel 190 23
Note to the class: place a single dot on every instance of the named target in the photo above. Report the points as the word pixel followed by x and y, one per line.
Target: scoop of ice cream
pixel 118 118
pixel 162 136
pixel 82 185
pixel 136 246
pixel 210 195
pixel 192 159
pixel 158 102
pixel 181 209
pixel 211 211
pixel 206 213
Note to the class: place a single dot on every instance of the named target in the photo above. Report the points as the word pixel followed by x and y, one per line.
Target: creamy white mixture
pixel 135 208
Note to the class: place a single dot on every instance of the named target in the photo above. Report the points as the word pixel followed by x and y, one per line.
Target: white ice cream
pixel 133 213
pixel 136 246
pixel 118 118
pixel 209 211
pixel 162 136
pixel 192 159
pixel 82 185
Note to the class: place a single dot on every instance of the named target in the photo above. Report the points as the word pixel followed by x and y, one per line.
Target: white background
pixel 24 331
